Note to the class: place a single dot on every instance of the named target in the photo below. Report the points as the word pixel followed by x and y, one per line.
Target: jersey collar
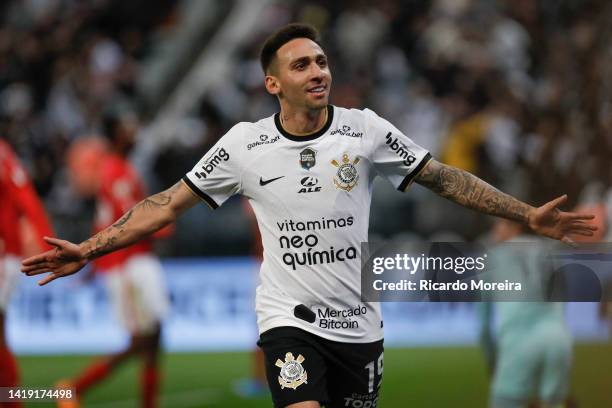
pixel 306 138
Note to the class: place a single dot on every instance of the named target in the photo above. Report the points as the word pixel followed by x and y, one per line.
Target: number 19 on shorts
pixel 375 370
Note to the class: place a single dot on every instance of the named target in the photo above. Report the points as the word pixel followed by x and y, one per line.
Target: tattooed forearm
pixel 159 200
pixel 468 190
pixel 98 245
pixel 144 218
pixel 156 201
pixel 121 222
pixel 150 203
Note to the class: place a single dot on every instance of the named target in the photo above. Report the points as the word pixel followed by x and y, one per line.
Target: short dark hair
pixel 282 37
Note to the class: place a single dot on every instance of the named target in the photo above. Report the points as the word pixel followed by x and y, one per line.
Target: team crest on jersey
pixel 346 176
pixel 308 158
pixel 292 373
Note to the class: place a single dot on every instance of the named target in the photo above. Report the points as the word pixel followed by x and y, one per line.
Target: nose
pixel 316 72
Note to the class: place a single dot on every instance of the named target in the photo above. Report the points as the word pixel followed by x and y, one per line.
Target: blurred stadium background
pixel 518 92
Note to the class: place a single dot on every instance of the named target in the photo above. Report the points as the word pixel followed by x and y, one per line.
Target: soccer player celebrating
pixel 133 276
pixel 18 201
pixel 307 172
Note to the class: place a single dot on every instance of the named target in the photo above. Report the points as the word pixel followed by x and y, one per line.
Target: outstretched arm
pixel 469 191
pixel 143 219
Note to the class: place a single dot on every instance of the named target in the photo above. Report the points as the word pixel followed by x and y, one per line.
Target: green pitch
pixel 416 378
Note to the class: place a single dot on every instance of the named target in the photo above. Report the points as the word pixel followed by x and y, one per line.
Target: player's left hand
pixel 549 221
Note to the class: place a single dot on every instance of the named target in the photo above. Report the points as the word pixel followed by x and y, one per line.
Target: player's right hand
pixel 63 260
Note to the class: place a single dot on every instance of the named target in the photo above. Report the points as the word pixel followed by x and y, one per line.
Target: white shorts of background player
pixel 138 293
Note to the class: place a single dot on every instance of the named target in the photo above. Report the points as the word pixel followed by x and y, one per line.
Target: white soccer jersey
pixel 311 196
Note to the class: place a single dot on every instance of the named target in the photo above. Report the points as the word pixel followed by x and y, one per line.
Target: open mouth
pixel 317 90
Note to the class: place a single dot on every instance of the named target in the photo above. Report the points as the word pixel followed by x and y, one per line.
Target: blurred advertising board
pixel 213 310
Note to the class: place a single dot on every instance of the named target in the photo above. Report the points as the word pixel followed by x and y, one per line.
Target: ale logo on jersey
pixel 309 185
pixel 346 176
pixel 308 158
pixel 292 373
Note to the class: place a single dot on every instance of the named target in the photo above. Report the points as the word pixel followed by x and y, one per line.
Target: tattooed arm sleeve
pixel 146 217
pixel 469 191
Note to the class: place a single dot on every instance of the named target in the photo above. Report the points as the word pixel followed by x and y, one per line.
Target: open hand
pixel 548 220
pixel 63 260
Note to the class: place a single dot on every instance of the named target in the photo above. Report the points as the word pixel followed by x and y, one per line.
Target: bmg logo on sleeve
pixel 400 149
pixel 214 160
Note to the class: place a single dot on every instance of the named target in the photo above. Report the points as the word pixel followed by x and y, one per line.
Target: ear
pixel 272 85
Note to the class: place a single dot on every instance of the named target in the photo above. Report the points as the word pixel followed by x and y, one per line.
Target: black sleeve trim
pixel 202 195
pixel 409 177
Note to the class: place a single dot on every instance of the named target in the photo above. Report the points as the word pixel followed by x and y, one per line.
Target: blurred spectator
pixel 519 92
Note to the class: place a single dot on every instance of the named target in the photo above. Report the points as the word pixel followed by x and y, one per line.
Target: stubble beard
pixel 317 104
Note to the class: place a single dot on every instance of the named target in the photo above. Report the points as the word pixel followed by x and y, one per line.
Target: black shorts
pixel 301 366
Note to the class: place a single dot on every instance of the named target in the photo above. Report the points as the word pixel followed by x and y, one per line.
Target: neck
pixel 303 122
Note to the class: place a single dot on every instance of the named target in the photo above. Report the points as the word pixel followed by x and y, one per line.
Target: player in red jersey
pixel 133 276
pixel 19 203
